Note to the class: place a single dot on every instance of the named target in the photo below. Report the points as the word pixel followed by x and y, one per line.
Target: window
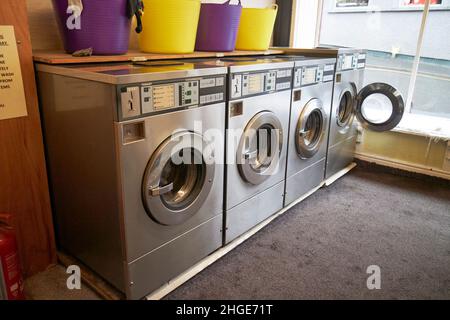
pixel 431 95
pixel 407 48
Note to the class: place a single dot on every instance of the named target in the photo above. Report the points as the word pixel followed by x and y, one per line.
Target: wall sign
pixel 12 94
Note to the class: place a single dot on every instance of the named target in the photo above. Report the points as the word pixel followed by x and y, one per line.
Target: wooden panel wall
pixel 23 177
pixel 43 28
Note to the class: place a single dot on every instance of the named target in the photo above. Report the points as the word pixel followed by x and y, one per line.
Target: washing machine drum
pixel 259 150
pixel 310 130
pixel 178 178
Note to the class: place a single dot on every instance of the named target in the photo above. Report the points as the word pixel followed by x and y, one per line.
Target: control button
pixel 147 99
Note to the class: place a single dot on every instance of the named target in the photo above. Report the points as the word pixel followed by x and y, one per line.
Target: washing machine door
pixel 310 130
pixel 259 150
pixel 345 112
pixel 379 107
pixel 178 178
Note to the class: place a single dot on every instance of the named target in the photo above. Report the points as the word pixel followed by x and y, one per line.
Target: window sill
pixel 426 126
pixel 377 9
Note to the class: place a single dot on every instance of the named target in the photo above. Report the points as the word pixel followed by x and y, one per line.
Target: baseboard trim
pixel 339 174
pixel 193 271
pixel 403 165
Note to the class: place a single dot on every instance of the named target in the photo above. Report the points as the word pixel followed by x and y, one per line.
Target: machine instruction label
pixel 12 94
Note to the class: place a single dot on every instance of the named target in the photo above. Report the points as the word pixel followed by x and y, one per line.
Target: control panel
pixel 351 61
pixel 309 75
pixel 146 98
pixel 255 83
pixel 157 97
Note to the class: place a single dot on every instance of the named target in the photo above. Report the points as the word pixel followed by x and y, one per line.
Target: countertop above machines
pixel 123 73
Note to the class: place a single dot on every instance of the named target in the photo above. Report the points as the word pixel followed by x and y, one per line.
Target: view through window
pixel 389 30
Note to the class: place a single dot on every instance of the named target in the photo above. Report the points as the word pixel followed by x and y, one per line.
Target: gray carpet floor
pixel 51 285
pixel 321 248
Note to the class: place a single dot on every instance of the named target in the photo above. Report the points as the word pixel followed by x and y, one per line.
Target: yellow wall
pixel 416 151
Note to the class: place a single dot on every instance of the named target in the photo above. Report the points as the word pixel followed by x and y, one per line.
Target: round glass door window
pixel 310 129
pixel 260 148
pixel 345 109
pixel 379 107
pixel 186 180
pixel 177 179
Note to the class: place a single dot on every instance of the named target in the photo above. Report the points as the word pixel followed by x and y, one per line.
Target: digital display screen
pixel 163 97
pixel 309 76
pixel 255 83
pixel 347 62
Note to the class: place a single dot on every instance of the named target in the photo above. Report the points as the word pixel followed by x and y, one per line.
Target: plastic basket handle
pixel 274 6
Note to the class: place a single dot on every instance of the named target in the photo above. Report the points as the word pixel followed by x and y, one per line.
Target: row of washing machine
pixel 155 165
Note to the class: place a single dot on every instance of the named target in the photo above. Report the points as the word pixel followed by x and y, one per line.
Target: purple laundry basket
pixel 105 26
pixel 218 26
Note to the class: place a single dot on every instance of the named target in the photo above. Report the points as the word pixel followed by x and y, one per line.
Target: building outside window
pixel 406 48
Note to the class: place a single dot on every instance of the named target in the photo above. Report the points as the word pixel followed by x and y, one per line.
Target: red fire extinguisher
pixel 11 280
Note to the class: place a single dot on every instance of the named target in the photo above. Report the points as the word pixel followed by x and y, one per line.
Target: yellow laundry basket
pixel 256 27
pixel 169 26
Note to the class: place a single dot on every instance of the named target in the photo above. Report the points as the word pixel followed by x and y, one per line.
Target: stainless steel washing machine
pixel 135 156
pixel 258 108
pixel 309 124
pixel 377 106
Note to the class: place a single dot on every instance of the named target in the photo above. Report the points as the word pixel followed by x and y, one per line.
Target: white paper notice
pixel 12 95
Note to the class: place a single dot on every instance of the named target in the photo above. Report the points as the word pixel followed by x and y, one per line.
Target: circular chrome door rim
pixel 305 150
pixel 398 106
pixel 154 204
pixel 248 173
pixel 344 126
